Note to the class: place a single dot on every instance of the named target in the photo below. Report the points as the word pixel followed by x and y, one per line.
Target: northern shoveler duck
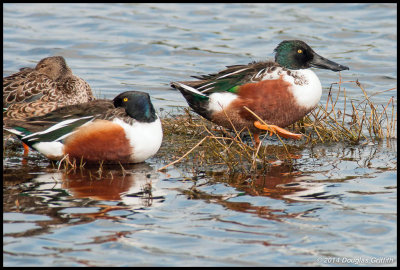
pixel 37 91
pixel 280 92
pixel 125 129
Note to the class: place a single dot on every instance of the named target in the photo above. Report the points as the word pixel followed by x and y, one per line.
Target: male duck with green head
pixel 280 92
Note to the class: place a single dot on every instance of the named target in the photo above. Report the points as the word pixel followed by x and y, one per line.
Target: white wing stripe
pixel 14 131
pixel 55 127
pixel 190 89
pixel 237 71
pixel 205 90
pixel 205 85
pixel 259 73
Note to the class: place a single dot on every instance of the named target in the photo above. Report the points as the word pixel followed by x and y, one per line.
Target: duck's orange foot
pixel 26 149
pixel 280 131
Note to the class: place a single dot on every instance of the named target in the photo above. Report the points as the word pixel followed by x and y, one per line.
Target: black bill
pixel 321 62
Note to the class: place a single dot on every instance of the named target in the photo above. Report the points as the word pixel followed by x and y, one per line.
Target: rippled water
pixel 335 206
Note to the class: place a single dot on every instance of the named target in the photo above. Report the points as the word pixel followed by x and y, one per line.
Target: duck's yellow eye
pixel 125 99
pixel 299 51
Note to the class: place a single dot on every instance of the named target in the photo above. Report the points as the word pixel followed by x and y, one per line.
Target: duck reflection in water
pixel 109 188
pixel 281 182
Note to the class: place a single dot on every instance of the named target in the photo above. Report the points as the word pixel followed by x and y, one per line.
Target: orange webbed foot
pixel 278 130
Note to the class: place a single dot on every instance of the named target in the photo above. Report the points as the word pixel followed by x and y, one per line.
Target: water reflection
pixel 290 205
pixel 317 175
pixel 282 182
pixel 81 196
pixel 114 184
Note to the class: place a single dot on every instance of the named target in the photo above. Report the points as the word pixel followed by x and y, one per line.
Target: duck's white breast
pixel 145 138
pixel 306 86
pixel 308 89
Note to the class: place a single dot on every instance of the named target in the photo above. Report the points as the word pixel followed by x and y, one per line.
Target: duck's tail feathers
pixel 183 87
pixel 197 100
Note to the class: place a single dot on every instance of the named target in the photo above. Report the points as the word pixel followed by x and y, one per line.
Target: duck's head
pixel 137 105
pixel 55 67
pixel 296 54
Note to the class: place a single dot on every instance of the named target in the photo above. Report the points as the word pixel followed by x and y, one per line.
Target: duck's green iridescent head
pixel 296 54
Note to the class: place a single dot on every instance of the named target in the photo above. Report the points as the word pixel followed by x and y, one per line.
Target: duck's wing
pixel 230 79
pixel 59 123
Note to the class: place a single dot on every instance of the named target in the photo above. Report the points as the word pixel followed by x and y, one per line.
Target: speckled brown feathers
pixel 51 84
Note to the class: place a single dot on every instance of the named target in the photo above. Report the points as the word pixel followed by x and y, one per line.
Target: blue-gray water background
pixel 119 47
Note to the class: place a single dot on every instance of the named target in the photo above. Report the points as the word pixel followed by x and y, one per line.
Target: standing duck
pixel 280 92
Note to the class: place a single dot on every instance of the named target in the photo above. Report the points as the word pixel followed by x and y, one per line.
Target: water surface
pixel 335 206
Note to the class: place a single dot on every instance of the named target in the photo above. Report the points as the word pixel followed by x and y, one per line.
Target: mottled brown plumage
pixel 37 91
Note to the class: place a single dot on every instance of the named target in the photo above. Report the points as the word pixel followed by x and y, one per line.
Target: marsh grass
pixel 190 139
pixel 360 121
